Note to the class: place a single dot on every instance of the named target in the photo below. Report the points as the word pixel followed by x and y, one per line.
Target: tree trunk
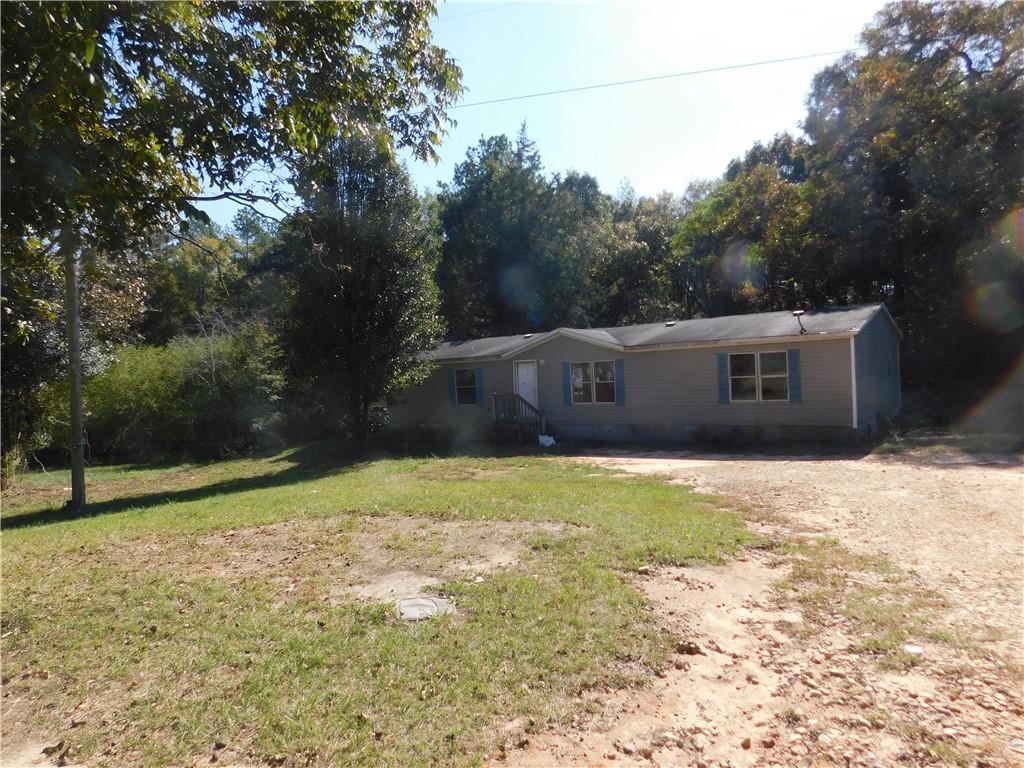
pixel 70 248
pixel 357 419
pixel 356 410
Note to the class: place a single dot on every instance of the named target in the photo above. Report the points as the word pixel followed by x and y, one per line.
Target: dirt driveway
pixel 958 524
pixel 787 655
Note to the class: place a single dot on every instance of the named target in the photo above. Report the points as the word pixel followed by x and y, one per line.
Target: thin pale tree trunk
pixel 71 267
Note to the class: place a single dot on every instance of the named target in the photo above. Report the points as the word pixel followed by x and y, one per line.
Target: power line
pixel 474 13
pixel 655 77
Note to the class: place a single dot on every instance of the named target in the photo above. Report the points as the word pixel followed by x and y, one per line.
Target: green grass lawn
pixel 201 604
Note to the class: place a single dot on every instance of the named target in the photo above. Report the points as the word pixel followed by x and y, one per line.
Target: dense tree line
pixel 525 252
pixel 116 114
pixel 905 186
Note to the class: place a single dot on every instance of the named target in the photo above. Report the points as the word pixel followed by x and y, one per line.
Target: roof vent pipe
pixel 797 313
pixel 669 323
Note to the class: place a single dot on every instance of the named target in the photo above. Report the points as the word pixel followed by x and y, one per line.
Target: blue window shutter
pixel 793 363
pixel 620 382
pixel 723 377
pixel 479 372
pixel 566 385
pixel 451 386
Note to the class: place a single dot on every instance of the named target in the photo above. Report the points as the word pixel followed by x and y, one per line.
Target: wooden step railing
pixel 513 409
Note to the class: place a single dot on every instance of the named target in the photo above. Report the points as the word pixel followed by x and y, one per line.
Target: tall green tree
pixel 115 115
pixel 254 234
pixel 745 248
pixel 114 112
pixel 361 257
pixel 575 236
pixel 490 217
pixel 913 156
pixel 630 280
pixel 519 248
pixel 919 152
pixel 190 281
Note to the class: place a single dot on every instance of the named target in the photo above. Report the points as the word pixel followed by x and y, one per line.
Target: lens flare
pixel 995 307
pixel 517 286
pixel 739 268
pixel 996 300
pixel 1001 411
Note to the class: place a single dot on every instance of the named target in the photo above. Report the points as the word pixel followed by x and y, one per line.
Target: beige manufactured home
pixel 824 373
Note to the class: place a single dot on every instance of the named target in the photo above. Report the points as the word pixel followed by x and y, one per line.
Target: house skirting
pixel 651 434
pixel 703 433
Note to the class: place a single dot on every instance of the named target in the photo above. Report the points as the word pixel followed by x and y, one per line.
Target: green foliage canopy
pixel 912 158
pixel 113 112
pixel 524 252
pixel 204 396
pixel 116 115
pixel 360 258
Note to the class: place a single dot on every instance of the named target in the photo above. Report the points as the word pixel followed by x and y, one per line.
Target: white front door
pixel 526 381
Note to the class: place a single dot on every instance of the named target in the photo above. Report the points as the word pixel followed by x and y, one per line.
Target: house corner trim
pixel 853 377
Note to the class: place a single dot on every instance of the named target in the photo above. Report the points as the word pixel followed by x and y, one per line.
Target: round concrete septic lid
pixel 421 607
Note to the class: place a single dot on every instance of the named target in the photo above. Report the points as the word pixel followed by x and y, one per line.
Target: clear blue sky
pixel 659 135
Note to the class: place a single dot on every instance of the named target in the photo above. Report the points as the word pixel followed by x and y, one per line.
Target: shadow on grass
pixel 308 462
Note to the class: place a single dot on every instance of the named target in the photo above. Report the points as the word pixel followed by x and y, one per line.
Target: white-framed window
pixel 773 375
pixel 742 376
pixel 758 376
pixel 582 383
pixel 465 386
pixel 593 382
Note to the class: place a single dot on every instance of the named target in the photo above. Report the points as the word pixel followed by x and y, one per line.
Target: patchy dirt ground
pixel 36 753
pixel 773 676
pixel 376 559
pixel 764 675
pixel 958 524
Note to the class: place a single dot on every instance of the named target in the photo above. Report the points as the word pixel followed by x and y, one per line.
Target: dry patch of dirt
pixel 393 557
pixel 714 696
pixel 960 526
pixel 374 558
pixel 773 676
pixel 755 681
pixel 455 471
pixel 37 753
pixel 371 558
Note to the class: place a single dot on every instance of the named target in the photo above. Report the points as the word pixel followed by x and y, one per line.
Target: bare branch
pixel 196 243
pixel 257 211
pixel 244 198
pixel 209 252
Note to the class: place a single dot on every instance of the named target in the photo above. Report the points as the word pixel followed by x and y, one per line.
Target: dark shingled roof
pixel 495 346
pixel 762 325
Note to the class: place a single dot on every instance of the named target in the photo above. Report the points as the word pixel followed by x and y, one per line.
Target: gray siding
pixel 878 378
pixel 668 393
pixel 681 387
pixel 428 404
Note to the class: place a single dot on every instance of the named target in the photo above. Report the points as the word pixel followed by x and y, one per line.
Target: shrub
pixel 203 396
